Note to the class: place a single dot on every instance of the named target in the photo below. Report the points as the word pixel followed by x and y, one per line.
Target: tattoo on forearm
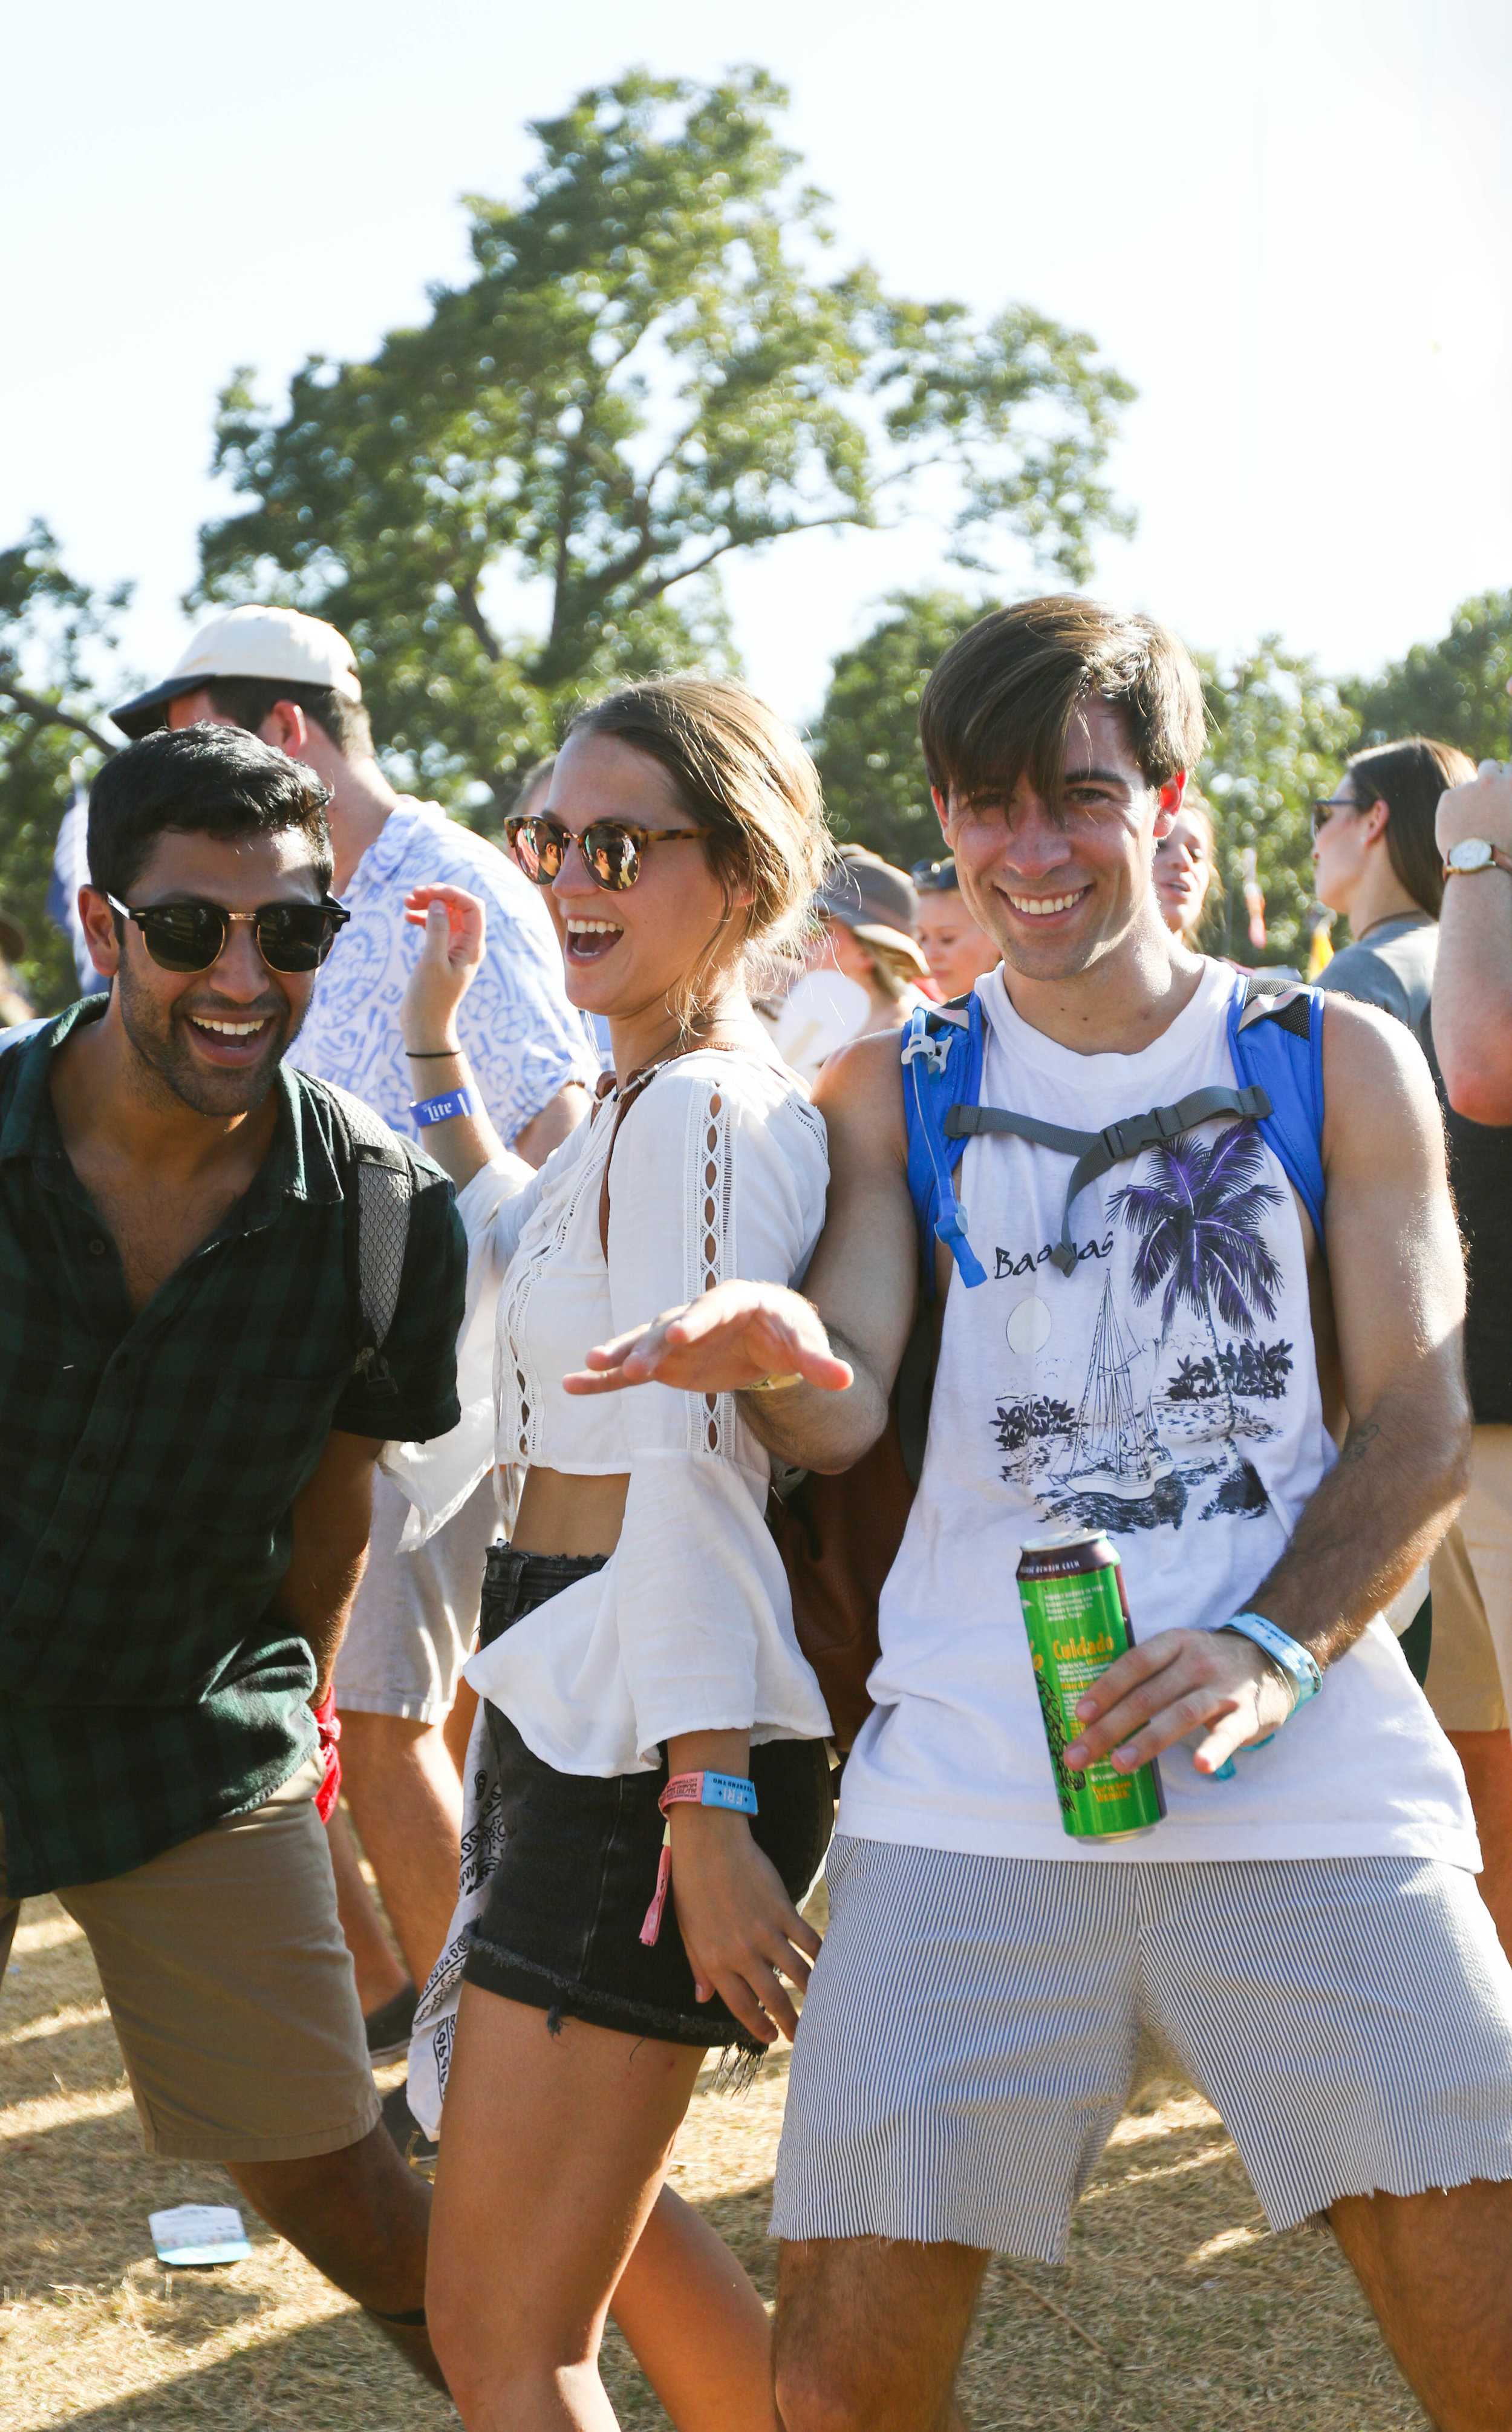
pixel 1359 1440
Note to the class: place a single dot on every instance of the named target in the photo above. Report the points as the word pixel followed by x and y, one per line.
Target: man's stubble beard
pixel 170 1069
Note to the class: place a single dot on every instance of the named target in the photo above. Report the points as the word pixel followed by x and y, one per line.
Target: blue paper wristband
pixel 1295 1659
pixel 440 1110
pixel 729 1790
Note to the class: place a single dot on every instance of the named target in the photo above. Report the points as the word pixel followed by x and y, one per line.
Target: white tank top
pixel 1166 1391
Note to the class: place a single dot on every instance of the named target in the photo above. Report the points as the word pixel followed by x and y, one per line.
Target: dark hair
pixel 1002 700
pixel 251 699
pixel 1409 777
pixel 538 774
pixel 200 781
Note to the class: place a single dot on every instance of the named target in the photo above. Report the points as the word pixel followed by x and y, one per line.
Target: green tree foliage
pixel 653 363
pixel 867 740
pixel 1278 735
pixel 1454 690
pixel 50 626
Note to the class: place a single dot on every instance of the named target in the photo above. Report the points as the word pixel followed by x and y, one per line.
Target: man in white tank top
pixel 1305 1929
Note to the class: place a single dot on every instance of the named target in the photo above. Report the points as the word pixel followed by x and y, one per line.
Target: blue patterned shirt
pixel 523 1038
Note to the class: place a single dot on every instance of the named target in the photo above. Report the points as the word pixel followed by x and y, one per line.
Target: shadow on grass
pixel 310 2376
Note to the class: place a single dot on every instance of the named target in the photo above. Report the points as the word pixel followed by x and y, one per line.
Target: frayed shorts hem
pixel 497 1970
pixel 1044 2234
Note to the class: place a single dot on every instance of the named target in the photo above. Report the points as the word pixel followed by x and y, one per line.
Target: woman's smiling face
pixel 631 953
pixel 1184 870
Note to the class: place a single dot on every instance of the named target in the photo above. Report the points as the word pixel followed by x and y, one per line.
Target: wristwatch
pixel 1475 853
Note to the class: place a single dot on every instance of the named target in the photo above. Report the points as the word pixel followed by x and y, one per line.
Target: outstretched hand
pixel 734 1337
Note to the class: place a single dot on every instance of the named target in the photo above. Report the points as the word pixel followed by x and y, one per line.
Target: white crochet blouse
pixel 720 1170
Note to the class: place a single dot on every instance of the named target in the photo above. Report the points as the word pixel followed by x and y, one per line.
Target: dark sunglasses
pixel 611 849
pixel 935 877
pixel 191 936
pixel 1323 812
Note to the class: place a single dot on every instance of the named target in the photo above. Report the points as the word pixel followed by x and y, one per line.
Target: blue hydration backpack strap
pixel 941 1047
pixel 1275 1038
pixel 1276 1041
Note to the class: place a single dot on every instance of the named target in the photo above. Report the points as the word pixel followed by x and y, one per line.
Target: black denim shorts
pixel 562 1925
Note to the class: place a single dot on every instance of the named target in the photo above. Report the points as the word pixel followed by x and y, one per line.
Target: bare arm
pixel 843 1338
pixel 450 956
pixel 1397 1285
pixel 332 1519
pixel 558 1117
pixel 1472 978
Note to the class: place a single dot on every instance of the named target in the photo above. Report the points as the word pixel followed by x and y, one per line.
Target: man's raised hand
pixel 734 1336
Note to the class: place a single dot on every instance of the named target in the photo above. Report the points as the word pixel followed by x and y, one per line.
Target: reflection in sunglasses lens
pixel 613 856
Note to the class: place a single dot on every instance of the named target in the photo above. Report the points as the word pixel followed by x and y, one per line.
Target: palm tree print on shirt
pixel 1198 1220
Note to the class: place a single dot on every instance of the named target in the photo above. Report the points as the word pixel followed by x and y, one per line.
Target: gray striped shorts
pixel 969 2040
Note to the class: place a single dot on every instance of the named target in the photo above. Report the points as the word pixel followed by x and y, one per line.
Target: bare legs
pixel 379 1975
pixel 869 2333
pixel 1437 2271
pixel 360 2216
pixel 552 2152
pixel 405 1796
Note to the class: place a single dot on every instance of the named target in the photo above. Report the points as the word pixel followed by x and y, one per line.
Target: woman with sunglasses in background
pixel 1375 861
pixel 651 1743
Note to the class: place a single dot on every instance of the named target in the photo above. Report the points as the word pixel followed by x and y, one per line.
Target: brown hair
pixel 1409 777
pixel 249 700
pixel 531 781
pixel 745 779
pixel 1002 702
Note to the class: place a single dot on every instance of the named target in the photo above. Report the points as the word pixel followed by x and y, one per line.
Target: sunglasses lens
pixel 183 936
pixel 295 936
pixel 537 846
pixel 612 855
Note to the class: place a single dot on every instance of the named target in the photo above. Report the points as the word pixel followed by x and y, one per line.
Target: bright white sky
pixel 1288 220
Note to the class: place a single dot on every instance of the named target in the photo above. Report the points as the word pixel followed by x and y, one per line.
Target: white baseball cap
pixel 277 645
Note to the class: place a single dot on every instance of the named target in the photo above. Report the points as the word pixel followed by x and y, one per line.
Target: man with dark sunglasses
pixel 191 1400
pixel 293 681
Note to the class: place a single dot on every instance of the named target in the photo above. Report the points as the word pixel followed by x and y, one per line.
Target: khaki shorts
pixel 1470 1670
pixel 230 1988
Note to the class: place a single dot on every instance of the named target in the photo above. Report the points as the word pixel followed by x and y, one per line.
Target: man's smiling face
pixel 1059 884
pixel 215 1038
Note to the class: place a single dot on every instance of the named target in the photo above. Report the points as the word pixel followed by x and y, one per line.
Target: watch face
pixel 1472 855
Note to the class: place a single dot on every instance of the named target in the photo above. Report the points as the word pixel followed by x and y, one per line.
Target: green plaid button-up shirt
pixel 148 1466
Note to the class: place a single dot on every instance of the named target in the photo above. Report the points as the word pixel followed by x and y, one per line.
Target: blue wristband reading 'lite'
pixel 440 1110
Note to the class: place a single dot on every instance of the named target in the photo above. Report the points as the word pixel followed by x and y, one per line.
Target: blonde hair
pixel 742 775
pixel 893 972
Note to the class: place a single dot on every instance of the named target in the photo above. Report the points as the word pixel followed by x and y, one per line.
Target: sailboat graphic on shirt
pixel 1115 1446
pixel 1166 1423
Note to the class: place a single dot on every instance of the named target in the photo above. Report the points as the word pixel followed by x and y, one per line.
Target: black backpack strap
pixel 379 1196
pixel 1097 1152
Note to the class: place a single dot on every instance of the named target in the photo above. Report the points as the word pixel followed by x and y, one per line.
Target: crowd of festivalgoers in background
pixel 400 1251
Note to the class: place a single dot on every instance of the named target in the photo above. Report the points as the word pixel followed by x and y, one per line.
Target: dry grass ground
pixel 1176 2313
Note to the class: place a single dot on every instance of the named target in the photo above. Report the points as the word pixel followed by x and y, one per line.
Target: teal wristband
pixel 1289 1656
pixel 1298 1662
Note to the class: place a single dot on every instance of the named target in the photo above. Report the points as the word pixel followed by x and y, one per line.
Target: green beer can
pixel 1077 1617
